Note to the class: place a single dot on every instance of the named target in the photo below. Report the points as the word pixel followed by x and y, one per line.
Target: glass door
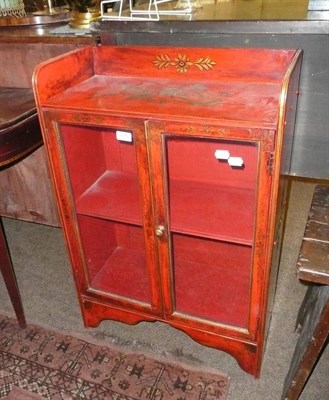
pixel 209 197
pixel 211 193
pixel 104 177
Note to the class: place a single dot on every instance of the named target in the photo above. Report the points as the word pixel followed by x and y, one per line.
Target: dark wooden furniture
pixel 168 166
pixel 313 317
pixel 19 126
pixel 19 136
pixel 26 191
pixel 9 277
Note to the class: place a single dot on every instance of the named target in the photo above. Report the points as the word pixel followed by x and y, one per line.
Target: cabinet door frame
pixel 59 170
pixel 156 130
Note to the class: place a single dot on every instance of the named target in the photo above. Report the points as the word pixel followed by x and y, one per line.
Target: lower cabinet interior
pixel 212 279
pixel 115 258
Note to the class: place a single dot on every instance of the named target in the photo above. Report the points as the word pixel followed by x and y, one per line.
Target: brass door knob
pixel 159 231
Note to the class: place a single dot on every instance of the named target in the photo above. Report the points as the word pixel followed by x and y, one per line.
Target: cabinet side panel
pixel 61 73
pixel 289 118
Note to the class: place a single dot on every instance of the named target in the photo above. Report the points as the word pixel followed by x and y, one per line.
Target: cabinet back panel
pixel 194 160
pixel 84 156
pixel 92 151
pixel 207 196
pixel 120 155
pixel 247 64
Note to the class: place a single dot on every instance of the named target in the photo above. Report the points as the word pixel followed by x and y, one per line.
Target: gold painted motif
pixel 182 63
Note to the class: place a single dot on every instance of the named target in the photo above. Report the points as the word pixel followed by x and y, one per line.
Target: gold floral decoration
pixel 182 63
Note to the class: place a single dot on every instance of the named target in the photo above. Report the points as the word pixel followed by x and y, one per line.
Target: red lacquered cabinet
pixel 168 166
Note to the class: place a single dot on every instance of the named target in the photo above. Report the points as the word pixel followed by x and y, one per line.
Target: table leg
pixel 308 304
pixel 314 333
pixel 9 277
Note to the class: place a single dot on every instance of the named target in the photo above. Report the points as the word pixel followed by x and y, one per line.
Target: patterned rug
pixel 36 363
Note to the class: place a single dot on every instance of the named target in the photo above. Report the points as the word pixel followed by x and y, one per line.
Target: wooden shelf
pixel 196 208
pixel 115 196
pixel 222 213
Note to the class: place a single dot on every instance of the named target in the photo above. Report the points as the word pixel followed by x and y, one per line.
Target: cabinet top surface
pixel 225 84
pixel 149 97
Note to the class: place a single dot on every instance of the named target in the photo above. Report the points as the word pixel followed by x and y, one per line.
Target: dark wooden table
pixel 19 135
pixel 25 187
pixel 19 126
pixel 313 317
pixel 25 191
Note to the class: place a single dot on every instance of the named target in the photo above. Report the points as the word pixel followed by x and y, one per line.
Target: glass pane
pixel 212 214
pixel 104 180
pixel 212 279
pixel 115 257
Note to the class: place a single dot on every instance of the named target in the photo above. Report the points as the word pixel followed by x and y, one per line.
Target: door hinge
pixel 270 163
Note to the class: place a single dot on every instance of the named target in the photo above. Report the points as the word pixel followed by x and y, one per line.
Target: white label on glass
pixel 222 154
pixel 124 136
pixel 235 161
